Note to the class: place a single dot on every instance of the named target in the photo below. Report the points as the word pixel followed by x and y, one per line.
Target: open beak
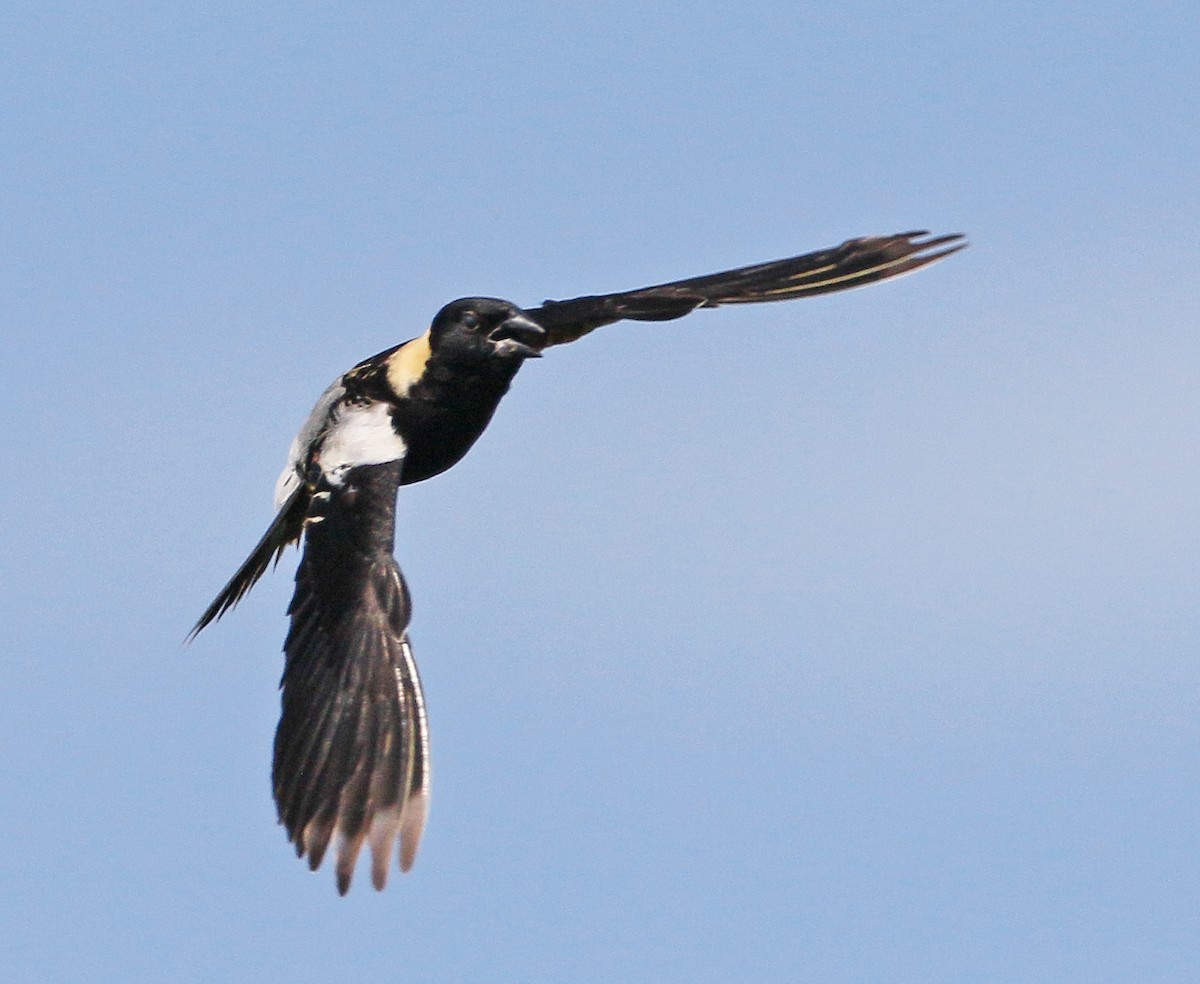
pixel 519 335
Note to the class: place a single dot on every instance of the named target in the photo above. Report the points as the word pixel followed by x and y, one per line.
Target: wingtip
pixel 201 623
pixel 959 240
pixel 347 859
pixel 412 825
pixel 403 825
pixel 382 836
pixel 954 244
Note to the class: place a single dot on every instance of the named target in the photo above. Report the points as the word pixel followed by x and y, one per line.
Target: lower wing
pixel 352 749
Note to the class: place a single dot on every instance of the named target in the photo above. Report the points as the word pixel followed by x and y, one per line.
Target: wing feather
pixel 352 749
pixel 855 263
pixel 285 529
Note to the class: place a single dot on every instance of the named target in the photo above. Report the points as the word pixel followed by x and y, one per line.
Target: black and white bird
pixel 351 761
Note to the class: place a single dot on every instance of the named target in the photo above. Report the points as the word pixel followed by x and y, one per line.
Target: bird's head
pixel 485 328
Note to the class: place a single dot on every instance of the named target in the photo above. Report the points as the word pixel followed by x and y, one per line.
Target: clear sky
pixel 848 640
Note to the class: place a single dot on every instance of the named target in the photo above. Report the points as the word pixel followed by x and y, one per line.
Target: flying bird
pixel 351 757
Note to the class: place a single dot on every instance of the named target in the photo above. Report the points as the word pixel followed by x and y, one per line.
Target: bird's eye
pixel 469 320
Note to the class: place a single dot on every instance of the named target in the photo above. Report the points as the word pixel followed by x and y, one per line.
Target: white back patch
pixel 358 434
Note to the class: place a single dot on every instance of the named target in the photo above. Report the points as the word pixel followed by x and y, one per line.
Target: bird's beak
pixel 519 335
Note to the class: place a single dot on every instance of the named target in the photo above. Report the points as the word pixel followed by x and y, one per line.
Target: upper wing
pixel 854 263
pixel 352 749
pixel 342 431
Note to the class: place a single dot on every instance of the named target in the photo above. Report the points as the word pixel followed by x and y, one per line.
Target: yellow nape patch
pixel 406 365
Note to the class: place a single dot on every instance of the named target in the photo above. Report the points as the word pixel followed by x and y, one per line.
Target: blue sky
pixel 849 640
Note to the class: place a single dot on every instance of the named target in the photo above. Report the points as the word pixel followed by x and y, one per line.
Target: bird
pixel 351 753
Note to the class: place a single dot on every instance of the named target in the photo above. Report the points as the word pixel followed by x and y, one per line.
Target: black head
pixel 485 328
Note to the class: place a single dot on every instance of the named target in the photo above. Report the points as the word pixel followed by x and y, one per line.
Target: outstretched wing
pixel 285 529
pixel 854 263
pixel 352 748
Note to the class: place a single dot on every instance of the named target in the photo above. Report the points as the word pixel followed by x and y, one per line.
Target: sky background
pixel 847 640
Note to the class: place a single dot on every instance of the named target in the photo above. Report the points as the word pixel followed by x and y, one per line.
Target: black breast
pixel 444 414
